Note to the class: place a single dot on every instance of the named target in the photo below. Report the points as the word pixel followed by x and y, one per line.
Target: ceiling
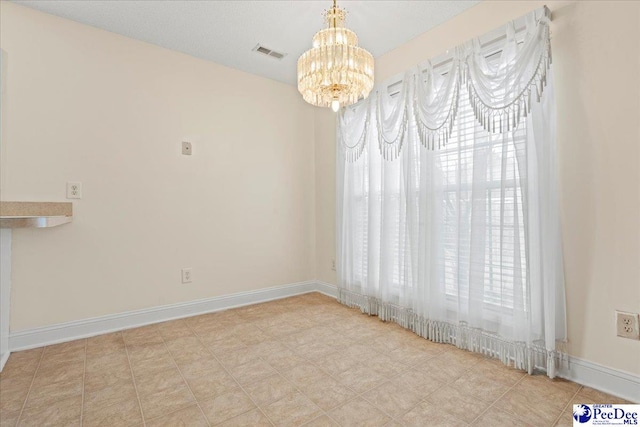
pixel 226 31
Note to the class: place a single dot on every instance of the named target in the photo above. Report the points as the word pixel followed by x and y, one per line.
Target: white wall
pixel 596 53
pixel 87 105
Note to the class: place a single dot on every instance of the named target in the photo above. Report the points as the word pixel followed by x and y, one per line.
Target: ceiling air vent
pixel 266 51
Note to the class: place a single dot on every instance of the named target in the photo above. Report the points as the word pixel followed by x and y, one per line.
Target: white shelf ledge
pixel 33 221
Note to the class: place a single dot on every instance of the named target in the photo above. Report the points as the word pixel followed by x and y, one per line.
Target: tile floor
pixel 305 360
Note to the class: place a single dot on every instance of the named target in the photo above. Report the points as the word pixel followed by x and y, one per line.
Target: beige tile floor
pixel 305 360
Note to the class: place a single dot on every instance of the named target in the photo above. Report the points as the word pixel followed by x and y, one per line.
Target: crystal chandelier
pixel 335 71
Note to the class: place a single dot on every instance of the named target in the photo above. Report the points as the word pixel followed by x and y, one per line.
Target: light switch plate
pixel 74 190
pixel 186 148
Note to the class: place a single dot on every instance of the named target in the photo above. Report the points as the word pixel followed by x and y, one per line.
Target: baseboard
pixel 327 289
pixel 63 332
pixel 608 380
pixel 3 359
pixel 612 381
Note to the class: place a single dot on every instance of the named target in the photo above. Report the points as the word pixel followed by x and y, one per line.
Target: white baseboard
pixel 612 381
pixel 62 332
pixel 327 288
pixel 3 359
pixel 608 380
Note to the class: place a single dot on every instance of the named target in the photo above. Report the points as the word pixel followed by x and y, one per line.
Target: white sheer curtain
pixel 448 219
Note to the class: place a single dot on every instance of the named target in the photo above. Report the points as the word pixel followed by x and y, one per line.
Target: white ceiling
pixel 226 31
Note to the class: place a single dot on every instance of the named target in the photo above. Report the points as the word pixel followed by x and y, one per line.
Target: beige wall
pixel 596 50
pixel 325 162
pixel 87 105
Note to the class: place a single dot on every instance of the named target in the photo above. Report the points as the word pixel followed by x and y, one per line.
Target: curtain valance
pixel 499 92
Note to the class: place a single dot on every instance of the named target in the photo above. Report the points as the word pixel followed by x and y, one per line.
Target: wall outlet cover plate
pixel 627 325
pixel 74 190
pixel 187 275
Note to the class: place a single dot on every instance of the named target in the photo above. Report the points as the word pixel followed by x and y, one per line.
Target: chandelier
pixel 335 71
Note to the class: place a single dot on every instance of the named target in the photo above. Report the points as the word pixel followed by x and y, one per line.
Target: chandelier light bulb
pixel 335 72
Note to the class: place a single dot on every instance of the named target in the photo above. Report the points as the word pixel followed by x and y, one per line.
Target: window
pixel 501 207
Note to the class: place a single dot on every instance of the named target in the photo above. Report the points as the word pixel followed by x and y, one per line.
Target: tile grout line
pixel 357 394
pixel 361 394
pixel 399 374
pixel 231 375
pixel 448 384
pixel 311 362
pixel 183 379
pixel 334 377
pixel 445 384
pixel 391 417
pixel 173 411
pixel 333 419
pixel 308 361
pixel 133 379
pixel 323 412
pixel 318 417
pixel 388 379
pixel 567 405
pixel 414 365
pixel 495 401
pixel 298 389
pixel 84 375
pixel 33 379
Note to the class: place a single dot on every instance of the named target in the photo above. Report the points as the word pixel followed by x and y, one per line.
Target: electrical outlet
pixel 74 190
pixel 186 148
pixel 627 325
pixel 186 275
pixel 333 264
